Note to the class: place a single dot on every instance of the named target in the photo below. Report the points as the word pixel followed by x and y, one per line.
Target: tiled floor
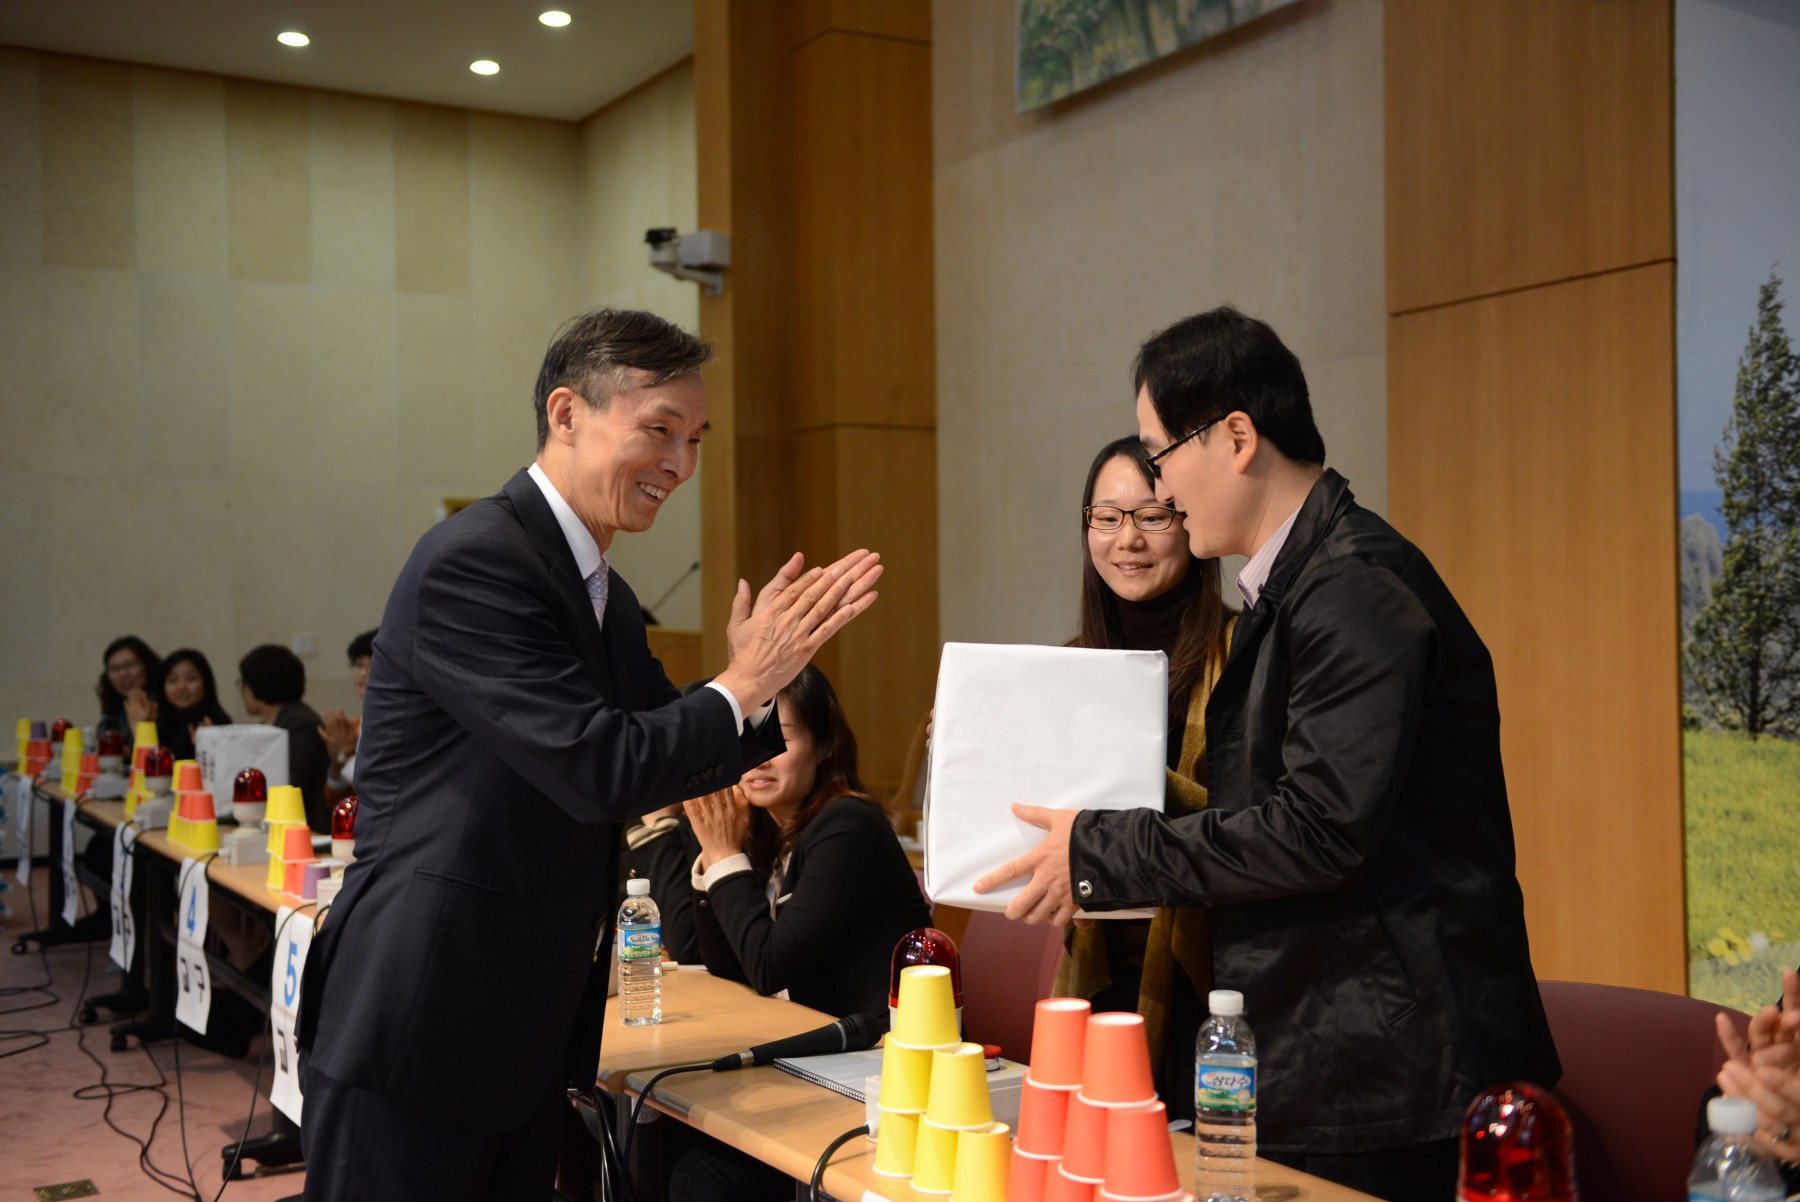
pixel 53 1111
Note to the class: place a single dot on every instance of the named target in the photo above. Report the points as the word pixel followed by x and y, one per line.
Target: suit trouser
pixel 361 1145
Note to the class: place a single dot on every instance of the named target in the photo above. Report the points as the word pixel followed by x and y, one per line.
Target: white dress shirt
pixel 588 556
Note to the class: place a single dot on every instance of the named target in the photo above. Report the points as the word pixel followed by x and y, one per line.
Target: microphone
pixel 852 1033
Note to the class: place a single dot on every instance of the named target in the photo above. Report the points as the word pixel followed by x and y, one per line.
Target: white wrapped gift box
pixel 1062 727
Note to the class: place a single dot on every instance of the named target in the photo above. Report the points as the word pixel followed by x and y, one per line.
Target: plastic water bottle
pixel 1728 1167
pixel 1225 1103
pixel 639 941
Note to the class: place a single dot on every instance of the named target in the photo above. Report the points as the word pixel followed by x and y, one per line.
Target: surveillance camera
pixel 701 256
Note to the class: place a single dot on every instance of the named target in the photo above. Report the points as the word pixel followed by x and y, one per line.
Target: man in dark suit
pixel 1357 854
pixel 514 720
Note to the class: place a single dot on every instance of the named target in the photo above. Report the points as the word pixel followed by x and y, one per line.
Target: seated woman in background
pixel 661 848
pixel 1141 590
pixel 805 890
pixel 128 686
pixel 272 682
pixel 191 700
pixel 341 733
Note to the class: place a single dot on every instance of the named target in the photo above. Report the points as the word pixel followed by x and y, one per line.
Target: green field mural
pixel 1743 890
pixel 1068 45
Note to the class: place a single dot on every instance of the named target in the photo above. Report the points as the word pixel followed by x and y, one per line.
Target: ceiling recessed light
pixel 485 66
pixel 291 38
pixel 554 18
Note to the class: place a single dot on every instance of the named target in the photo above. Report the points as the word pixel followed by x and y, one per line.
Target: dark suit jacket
pixel 846 898
pixel 1357 850
pixel 505 739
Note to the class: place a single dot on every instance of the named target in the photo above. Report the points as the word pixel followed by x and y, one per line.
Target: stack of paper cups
pixel 286 811
pixel 924 1022
pixel 71 761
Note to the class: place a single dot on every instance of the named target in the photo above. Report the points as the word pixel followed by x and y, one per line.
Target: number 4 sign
pixel 193 978
pixel 294 933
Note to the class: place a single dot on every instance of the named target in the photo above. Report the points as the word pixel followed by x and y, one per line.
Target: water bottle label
pixel 640 943
pixel 1225 1087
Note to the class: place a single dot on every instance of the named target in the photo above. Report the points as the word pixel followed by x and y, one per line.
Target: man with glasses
pixel 1357 851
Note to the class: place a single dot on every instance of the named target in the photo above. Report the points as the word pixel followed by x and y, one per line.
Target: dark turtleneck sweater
pixel 1154 625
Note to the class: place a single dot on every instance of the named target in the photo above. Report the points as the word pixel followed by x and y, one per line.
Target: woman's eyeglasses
pixel 1108 519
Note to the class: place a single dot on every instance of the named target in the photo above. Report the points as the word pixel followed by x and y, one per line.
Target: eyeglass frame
pixel 1087 517
pixel 1155 460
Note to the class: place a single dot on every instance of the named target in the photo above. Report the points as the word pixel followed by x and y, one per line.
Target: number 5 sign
pixel 193 978
pixel 294 933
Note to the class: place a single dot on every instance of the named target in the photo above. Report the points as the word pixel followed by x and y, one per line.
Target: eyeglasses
pixel 1156 459
pixel 1109 519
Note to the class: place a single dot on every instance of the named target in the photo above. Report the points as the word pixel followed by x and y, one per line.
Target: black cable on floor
pixel 39 1036
pixel 818 1174
pixel 111 1093
pixel 262 1058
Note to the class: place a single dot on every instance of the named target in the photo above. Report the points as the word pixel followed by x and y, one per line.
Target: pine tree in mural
pixel 1744 657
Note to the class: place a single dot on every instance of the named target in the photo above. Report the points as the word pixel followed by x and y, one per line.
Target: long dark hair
pixel 187 655
pixel 112 702
pixel 811 701
pixel 1202 632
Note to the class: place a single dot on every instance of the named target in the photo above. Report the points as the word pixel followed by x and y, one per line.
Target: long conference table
pixel 787 1122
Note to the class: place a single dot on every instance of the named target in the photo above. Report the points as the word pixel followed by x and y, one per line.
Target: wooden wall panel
pixel 1531 432
pixel 863 209
pixel 815 153
pixel 1525 143
pixel 860 486
pixel 1532 456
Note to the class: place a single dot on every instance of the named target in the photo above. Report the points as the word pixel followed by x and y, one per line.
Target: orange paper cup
pixel 1140 1160
pixel 1026 1176
pixel 1115 1063
pixel 187 776
pixel 1084 1141
pixel 896 1143
pixel 1060 1187
pixel 905 1079
pixel 934 1159
pixel 982 1161
pixel 1043 1112
pixel 959 1090
pixel 1058 1036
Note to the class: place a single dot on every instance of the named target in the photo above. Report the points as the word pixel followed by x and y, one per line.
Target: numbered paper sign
pixel 26 803
pixel 294 932
pixel 71 886
pixel 124 932
pixel 193 977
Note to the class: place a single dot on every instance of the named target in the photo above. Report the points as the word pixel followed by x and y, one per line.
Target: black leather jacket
pixel 1357 853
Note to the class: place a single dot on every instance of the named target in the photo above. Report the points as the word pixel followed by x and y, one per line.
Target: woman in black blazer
pixel 804 887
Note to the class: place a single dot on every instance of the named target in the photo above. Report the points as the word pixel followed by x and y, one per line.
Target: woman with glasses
pixel 129 685
pixel 1141 590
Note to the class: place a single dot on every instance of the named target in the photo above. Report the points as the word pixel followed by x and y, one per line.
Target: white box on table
pixel 1061 727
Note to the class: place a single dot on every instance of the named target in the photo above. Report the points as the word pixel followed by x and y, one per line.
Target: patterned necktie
pixel 596 588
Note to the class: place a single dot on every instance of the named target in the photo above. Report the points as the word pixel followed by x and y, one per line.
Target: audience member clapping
pixel 191 700
pixel 341 732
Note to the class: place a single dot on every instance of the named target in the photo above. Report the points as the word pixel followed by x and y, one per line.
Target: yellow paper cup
pixel 934 1159
pixel 926 1017
pixel 285 805
pixel 144 735
pixel 905 1079
pixel 959 1091
pixel 896 1143
pixel 983 1159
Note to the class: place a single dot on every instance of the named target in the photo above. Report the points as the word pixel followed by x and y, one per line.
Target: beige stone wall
pixel 251 337
pixel 1247 169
